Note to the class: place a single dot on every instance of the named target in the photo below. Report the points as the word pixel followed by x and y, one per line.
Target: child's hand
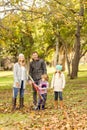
pixel 30 82
pixel 27 83
pixel 51 87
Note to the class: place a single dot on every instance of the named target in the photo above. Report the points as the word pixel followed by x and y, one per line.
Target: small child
pixel 43 91
pixel 58 82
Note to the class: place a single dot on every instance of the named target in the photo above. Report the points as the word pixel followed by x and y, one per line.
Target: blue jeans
pixel 58 95
pixel 40 101
pixel 20 90
pixel 35 93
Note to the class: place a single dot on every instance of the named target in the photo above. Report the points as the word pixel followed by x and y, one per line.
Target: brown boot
pixel 56 104
pixel 21 103
pixel 61 104
pixel 13 104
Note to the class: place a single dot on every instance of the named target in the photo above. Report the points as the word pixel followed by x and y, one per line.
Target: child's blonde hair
pixel 45 76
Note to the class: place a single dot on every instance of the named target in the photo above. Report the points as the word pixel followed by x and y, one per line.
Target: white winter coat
pixel 58 82
pixel 17 75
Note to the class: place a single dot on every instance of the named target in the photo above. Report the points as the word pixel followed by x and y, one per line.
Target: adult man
pixel 37 68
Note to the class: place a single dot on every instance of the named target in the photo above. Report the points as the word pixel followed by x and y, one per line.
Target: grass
pixel 75 99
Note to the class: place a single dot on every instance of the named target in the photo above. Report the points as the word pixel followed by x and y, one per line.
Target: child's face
pixel 43 79
pixel 58 71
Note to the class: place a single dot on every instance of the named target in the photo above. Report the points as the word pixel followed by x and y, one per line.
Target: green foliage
pixel 36 27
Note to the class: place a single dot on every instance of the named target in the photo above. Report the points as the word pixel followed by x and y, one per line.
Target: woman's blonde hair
pixel 21 58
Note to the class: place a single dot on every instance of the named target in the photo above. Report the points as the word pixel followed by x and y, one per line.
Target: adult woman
pixel 20 77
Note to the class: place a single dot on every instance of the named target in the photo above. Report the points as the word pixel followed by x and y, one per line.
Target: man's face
pixel 35 56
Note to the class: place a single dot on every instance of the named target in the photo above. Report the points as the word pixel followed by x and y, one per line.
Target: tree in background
pixel 49 27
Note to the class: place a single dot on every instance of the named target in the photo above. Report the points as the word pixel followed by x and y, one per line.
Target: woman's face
pixel 21 60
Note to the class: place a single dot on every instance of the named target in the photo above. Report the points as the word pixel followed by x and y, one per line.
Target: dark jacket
pixel 37 68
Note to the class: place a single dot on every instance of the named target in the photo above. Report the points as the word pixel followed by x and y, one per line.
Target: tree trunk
pixel 56 53
pixel 67 59
pixel 68 65
pixel 66 56
pixel 76 58
pixel 75 61
pixel 27 64
pixel 63 61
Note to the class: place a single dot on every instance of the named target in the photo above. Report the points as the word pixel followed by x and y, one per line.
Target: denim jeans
pixel 35 93
pixel 40 101
pixel 20 90
pixel 58 95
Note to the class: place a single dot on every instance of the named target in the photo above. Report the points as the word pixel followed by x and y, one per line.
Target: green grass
pixel 75 99
pixel 6 80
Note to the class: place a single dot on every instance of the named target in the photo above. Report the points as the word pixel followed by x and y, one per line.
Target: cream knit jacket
pixel 58 82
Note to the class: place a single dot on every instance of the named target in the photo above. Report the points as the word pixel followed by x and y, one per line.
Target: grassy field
pixel 72 117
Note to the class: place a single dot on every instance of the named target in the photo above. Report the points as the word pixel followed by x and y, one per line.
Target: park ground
pixel 72 117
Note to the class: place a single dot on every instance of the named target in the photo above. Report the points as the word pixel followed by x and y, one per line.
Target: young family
pixel 38 72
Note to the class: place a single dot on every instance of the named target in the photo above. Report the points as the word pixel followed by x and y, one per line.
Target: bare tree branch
pixel 83 54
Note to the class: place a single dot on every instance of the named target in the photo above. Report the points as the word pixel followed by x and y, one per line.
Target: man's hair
pixel 34 52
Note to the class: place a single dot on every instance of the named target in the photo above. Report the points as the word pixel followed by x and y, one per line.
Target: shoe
pixel 37 108
pixel 43 107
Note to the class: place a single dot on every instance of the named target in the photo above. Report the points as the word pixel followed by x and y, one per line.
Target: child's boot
pixel 13 104
pixel 61 104
pixel 56 104
pixel 43 107
pixel 38 107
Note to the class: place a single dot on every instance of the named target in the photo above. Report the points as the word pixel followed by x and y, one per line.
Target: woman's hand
pixel 17 84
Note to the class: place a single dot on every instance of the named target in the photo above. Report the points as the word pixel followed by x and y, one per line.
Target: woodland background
pixel 57 30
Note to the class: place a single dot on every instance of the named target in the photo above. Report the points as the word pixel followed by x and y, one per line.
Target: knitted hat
pixel 59 67
pixel 21 55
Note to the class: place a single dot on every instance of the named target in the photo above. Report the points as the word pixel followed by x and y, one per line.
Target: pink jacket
pixel 43 87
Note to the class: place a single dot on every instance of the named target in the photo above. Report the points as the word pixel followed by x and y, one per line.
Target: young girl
pixel 58 82
pixel 20 77
pixel 43 91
